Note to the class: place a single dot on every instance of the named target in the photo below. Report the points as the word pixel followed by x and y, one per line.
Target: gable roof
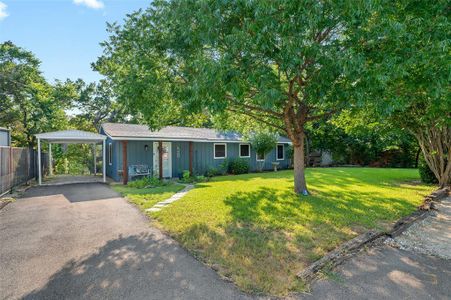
pixel 121 131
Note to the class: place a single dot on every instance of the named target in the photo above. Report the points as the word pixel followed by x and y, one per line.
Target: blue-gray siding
pixel 203 157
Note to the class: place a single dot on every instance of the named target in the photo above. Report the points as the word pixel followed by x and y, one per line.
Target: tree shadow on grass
pixel 270 234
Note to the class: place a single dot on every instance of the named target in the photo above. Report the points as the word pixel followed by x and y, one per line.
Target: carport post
pixel 50 160
pixel 39 162
pixel 94 154
pixel 104 162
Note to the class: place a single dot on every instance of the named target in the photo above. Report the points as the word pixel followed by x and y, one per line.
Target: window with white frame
pixel 220 150
pixel 110 154
pixel 260 156
pixel 280 152
pixel 245 150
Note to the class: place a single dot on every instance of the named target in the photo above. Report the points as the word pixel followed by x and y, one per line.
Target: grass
pixel 253 229
pixel 148 197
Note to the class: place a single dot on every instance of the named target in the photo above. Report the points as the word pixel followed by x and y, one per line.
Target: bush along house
pixel 136 150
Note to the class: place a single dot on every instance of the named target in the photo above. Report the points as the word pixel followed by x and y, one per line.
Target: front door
pixel 166 158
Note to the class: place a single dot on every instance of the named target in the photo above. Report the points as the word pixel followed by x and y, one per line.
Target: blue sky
pixel 63 34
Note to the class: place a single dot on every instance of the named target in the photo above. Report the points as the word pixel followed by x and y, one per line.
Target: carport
pixel 71 137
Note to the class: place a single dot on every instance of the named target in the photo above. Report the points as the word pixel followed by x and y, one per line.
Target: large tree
pixel 407 51
pixel 28 104
pixel 281 63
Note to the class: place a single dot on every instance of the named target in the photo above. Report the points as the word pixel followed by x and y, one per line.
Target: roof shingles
pixel 120 130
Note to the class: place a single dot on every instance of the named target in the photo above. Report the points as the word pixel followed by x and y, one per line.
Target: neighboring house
pixel 5 137
pixel 182 148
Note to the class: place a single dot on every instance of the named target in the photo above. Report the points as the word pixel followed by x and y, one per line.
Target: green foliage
pixel 426 175
pixel 263 142
pixel 186 174
pixel 187 177
pixel 212 172
pixel 72 159
pixel 238 166
pixel 97 103
pixel 146 182
pixel 28 104
pixel 361 138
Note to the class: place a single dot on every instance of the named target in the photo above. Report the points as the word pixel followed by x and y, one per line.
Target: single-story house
pixel 171 150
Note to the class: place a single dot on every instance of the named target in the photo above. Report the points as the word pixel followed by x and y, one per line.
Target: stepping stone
pixel 175 197
pixel 153 209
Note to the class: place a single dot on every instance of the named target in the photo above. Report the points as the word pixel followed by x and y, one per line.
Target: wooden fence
pixel 17 166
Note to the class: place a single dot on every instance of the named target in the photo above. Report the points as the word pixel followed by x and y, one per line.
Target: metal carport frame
pixel 71 137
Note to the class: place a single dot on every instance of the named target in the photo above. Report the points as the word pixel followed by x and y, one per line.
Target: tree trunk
pixel 300 186
pixel 417 157
pixel 435 142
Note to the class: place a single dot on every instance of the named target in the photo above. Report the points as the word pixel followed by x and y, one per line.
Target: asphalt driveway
pixel 415 265
pixel 85 241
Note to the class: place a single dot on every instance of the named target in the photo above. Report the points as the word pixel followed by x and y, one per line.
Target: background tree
pixel 96 103
pixel 281 63
pixel 407 53
pixel 28 104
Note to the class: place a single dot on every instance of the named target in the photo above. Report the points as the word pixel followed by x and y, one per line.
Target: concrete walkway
pixel 175 197
pixel 416 268
pixel 83 241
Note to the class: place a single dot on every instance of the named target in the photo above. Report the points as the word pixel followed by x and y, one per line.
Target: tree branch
pixel 256 117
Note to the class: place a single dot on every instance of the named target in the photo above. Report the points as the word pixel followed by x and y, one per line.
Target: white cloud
pixel 3 13
pixel 96 4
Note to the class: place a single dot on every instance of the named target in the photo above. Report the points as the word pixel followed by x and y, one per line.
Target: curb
pixel 346 250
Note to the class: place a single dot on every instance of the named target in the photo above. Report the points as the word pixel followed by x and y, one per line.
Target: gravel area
pixel 430 236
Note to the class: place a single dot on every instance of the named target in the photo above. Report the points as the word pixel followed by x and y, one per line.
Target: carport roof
pixel 71 136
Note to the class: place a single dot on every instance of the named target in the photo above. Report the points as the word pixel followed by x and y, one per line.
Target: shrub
pixel 146 182
pixel 200 178
pixel 427 176
pixel 212 172
pixel 223 168
pixel 238 166
pixel 186 175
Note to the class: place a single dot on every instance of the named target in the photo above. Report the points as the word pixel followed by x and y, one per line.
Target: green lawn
pixel 253 229
pixel 146 198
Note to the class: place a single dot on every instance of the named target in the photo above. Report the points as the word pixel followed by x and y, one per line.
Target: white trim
pixel 104 160
pixel 39 162
pixel 256 157
pixel 110 154
pixel 239 150
pixel 214 150
pixel 277 152
pixel 50 160
pixel 99 139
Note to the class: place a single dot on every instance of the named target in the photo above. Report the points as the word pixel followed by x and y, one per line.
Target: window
pixel 110 153
pixel 260 157
pixel 220 151
pixel 245 150
pixel 280 152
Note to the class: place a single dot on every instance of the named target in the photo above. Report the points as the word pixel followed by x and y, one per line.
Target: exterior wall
pixel 203 157
pixel 4 138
